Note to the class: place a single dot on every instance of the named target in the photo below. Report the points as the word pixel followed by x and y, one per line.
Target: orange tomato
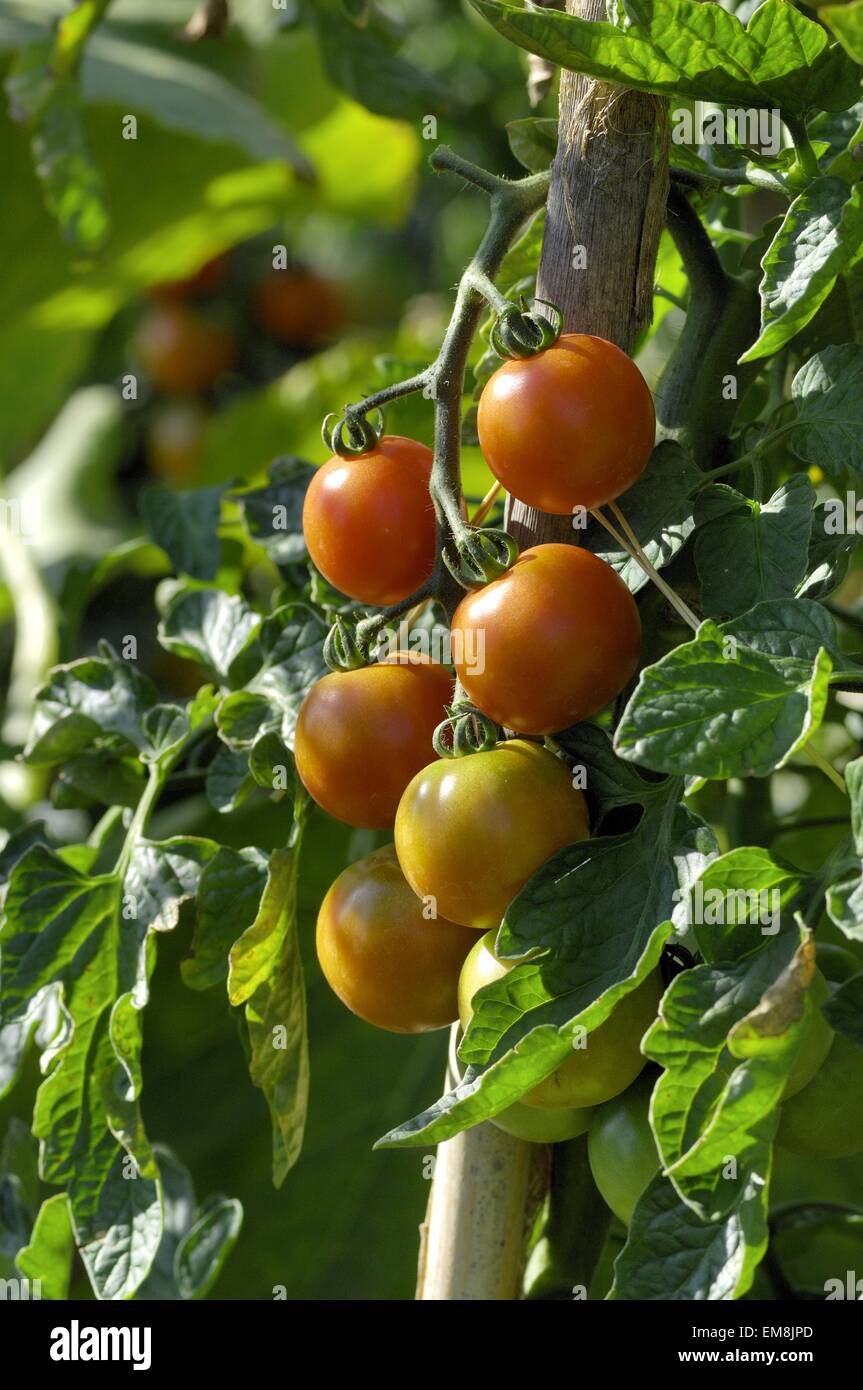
pixel 549 643
pixel 572 427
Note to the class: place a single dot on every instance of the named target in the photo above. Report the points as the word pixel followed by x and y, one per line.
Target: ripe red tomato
pixel 369 522
pixel 573 426
pixel 174 441
pixel 362 735
pixel 621 1147
pixel 610 1058
pixel 298 307
pixel 548 643
pixel 385 960
pixel 182 352
pixel 471 831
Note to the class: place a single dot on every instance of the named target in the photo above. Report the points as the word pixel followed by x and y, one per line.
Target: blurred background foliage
pixel 300 128
pixel 305 126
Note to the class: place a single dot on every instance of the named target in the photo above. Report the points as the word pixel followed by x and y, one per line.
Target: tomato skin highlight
pixel 550 642
pixel 369 521
pixel 362 735
pixel 471 831
pixel 611 1057
pixel 621 1147
pixel 182 352
pixel 825 1119
pixel 387 963
pixel 571 427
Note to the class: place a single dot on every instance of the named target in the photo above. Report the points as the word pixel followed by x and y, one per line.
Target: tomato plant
pixel 515 518
pixel 602 1065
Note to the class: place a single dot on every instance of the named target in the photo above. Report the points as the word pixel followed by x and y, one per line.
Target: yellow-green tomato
pixel 471 831
pixel 817 1040
pixel 621 1147
pixel 608 1059
pixel 825 1119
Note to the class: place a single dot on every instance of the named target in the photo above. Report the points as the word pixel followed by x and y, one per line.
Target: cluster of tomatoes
pixel 406 936
pixel 191 336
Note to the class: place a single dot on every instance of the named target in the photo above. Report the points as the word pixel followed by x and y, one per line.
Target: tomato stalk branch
pixel 512 204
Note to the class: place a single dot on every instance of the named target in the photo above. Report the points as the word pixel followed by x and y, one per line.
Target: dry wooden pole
pixel 605 215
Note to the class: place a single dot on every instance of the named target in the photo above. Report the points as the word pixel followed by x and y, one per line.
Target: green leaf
pixel 844 1011
pixel 266 975
pixel 229 897
pixel 533 141
pixel 670 1254
pixel 610 781
pixel 99 776
pixel 523 1025
pixel 93 703
pixel 228 782
pixel 47 1256
pixel 203 1251
pixel 729 1033
pixel 50 105
pixel 360 62
pixel 63 930
pixel 162 875
pixel 658 507
pixel 844 903
pixel 853 774
pixel 206 625
pixel 828 393
pixel 291 644
pixel 846 21
pixel 185 525
pixel 682 48
pixel 715 707
pixel 820 236
pixel 830 549
pixel 273 515
pixel 747 552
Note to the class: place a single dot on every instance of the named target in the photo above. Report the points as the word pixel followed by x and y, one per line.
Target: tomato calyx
pixel 465 730
pixel 481 556
pixel 352 433
pixel 345 646
pixel 519 332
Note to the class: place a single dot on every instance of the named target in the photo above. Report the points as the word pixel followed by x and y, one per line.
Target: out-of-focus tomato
pixel 298 307
pixel 182 352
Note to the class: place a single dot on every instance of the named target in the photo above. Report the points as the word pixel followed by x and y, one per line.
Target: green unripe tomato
pixel 611 1057
pixel 836 963
pixel 817 1040
pixel 621 1148
pixel 532 1123
pixel 825 1119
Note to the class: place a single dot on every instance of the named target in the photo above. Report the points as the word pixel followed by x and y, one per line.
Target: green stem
pixel 565 1257
pixel 729 178
pixel 806 158
pixel 751 458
